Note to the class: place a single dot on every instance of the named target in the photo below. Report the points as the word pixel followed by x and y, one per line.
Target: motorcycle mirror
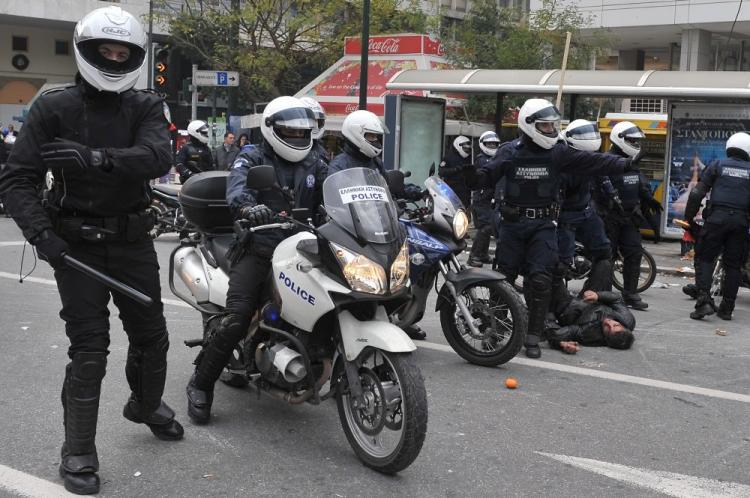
pixel 262 177
pixel 407 174
pixel 432 170
pixel 395 180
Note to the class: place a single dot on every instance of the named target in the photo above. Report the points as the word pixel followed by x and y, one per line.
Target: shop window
pixel 20 44
pixel 62 47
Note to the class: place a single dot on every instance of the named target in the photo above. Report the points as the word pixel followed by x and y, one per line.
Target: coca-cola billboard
pixel 394 45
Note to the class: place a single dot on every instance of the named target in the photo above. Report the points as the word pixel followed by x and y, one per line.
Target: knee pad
pixel 540 283
pixel 232 329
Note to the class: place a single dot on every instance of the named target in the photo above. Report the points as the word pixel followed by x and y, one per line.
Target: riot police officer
pixel 532 166
pixel 103 142
pixel 725 231
pixel 287 143
pixel 363 142
pixel 578 220
pixel 482 204
pixel 195 156
pixel 320 128
pixel 631 198
pixel 456 169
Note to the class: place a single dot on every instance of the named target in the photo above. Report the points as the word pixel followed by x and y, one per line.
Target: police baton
pixel 109 281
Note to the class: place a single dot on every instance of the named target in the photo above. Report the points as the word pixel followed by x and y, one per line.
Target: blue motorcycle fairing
pixel 420 242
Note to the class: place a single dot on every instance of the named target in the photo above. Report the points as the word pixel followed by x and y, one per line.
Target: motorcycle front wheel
pixel 500 317
pixel 387 429
pixel 646 277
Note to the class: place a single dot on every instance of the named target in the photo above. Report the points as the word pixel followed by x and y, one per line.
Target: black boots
pixel 690 290
pixel 538 293
pixel 146 371
pixel 704 306
pixel 480 247
pixel 631 272
pixel 210 364
pixel 415 332
pixel 725 309
pixel 80 399
pixel 634 301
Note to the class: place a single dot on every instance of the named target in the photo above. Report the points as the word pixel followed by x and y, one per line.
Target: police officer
pixel 320 128
pixel 287 132
pixel 103 142
pixel 725 230
pixel 363 142
pixel 578 219
pixel 456 169
pixel 482 204
pixel 631 198
pixel 195 156
pixel 532 166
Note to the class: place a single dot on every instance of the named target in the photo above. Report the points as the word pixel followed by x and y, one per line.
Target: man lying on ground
pixel 598 319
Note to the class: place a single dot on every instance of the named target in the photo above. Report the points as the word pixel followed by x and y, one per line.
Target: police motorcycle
pixel 482 316
pixel 324 318
pixel 165 204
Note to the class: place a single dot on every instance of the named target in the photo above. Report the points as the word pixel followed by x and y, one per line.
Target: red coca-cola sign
pixel 387 45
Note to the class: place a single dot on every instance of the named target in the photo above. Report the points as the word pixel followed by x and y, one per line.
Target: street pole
pixel 562 71
pixel 194 99
pixel 150 82
pixel 363 62
pixel 213 118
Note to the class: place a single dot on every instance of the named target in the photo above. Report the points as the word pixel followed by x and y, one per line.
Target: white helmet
pixel 462 145
pixel 199 130
pixel 627 137
pixel 489 143
pixel 356 128
pixel 539 119
pixel 109 25
pixel 739 145
pixel 583 135
pixel 320 116
pixel 287 127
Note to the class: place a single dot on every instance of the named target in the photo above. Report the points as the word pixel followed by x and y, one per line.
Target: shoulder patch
pixel 58 88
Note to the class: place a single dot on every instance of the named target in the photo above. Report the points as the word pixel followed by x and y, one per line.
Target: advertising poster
pixel 697 136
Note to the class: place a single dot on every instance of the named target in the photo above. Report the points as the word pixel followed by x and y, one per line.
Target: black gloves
pixel 51 248
pixel 653 205
pixel 62 154
pixel 632 164
pixel 412 192
pixel 257 215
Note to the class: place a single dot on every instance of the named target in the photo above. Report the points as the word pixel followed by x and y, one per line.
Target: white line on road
pixel 13 243
pixel 25 484
pixel 628 379
pixel 669 483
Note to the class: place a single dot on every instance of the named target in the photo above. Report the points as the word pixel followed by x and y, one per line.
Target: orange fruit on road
pixel 511 383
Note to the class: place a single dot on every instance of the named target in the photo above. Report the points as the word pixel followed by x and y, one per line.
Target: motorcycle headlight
pixel 361 273
pixel 400 269
pixel 460 224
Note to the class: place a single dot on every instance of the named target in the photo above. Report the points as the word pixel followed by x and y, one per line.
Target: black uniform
pixel 623 226
pixel 101 215
pixel 303 183
pixel 725 230
pixel 353 158
pixel 193 157
pixel 321 150
pixel 456 171
pixel 530 209
pixel 483 214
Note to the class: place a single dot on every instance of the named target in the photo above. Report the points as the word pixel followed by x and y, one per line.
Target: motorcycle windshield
pixel 443 195
pixel 358 201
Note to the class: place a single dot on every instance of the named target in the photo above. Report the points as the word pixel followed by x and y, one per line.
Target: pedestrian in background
pixel 225 154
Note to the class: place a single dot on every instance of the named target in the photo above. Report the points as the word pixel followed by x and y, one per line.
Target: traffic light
pixel 160 69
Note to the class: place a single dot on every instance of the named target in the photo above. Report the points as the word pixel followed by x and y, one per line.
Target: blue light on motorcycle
pixel 271 313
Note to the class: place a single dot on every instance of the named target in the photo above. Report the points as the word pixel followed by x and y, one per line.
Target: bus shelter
pixel 704 108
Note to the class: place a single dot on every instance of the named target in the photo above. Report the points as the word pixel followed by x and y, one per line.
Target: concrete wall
pixel 43 63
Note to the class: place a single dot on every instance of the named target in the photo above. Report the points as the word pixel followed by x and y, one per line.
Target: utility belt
pixel 124 228
pixel 516 213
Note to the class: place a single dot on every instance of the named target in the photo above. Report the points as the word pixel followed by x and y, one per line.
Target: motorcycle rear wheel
pixel 388 431
pixel 504 321
pixel 646 278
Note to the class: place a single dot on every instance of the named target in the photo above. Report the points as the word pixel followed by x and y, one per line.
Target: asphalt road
pixel 667 418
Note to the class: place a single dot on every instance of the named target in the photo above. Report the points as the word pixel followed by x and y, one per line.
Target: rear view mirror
pixel 432 170
pixel 261 177
pixel 395 180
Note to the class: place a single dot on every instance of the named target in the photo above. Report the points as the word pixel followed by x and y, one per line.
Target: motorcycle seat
pixel 218 247
pixel 169 189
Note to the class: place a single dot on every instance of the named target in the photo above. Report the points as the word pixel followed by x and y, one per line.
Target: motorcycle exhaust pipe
pixel 287 361
pixel 292 399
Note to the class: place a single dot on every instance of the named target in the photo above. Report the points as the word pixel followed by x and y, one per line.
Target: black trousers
pixel 84 300
pixel 625 236
pixel 725 232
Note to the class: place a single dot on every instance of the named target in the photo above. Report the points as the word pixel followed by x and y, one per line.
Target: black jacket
pixel 352 158
pixel 457 173
pixel 223 158
pixel 193 157
pixel 131 127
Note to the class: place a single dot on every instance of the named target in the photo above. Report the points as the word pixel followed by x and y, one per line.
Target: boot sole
pixel 153 427
pixel 92 490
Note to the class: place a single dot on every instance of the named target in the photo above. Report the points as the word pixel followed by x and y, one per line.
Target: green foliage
pixel 278 46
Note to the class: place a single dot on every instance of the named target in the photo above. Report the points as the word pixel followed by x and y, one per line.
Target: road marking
pixel 13 243
pixel 669 483
pixel 25 484
pixel 628 379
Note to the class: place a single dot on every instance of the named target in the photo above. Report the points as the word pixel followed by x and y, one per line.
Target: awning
pixel 657 84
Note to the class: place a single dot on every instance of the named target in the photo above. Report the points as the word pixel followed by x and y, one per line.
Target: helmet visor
pixel 203 130
pixel 491 143
pixel 588 132
pixel 548 128
pixel 374 139
pixel 300 118
pixel 298 138
pixel 104 55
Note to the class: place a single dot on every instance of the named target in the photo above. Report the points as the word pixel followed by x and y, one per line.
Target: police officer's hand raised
pixel 633 162
pixel 51 248
pixel 62 154
pixel 257 215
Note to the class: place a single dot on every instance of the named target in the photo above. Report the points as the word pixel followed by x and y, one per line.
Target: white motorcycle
pixel 325 311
